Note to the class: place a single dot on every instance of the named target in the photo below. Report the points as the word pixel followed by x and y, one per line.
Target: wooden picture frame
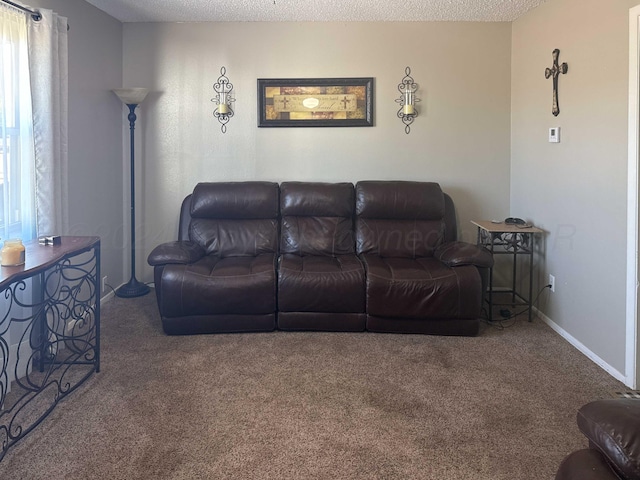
pixel 315 102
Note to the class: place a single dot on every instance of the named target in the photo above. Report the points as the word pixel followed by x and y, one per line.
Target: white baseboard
pixel 108 297
pixel 581 347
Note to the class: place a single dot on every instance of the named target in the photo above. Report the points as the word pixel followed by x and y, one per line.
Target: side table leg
pixel 491 241
pixel 41 322
pixel 530 243
pixel 97 309
pixel 514 273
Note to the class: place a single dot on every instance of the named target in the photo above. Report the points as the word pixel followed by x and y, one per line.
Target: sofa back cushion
pixel 235 219
pixel 317 218
pixel 399 219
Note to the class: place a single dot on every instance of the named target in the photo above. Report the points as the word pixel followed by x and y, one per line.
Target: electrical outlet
pixel 552 282
pixel 104 283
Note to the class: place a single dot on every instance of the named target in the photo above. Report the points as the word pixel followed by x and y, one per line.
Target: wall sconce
pixel 224 99
pixel 407 100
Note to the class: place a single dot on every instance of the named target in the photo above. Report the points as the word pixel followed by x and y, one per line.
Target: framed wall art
pixel 315 102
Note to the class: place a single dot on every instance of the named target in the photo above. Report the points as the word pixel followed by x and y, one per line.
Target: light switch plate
pixel 554 135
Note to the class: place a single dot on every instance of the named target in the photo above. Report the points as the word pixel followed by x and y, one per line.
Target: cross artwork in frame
pixel 315 102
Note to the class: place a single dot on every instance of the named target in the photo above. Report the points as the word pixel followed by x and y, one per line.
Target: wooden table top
pixel 40 257
pixel 502 227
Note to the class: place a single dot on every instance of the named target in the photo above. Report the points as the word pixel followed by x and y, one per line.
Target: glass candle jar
pixel 12 253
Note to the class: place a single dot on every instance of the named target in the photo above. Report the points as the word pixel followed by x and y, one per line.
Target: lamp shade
pixel 130 96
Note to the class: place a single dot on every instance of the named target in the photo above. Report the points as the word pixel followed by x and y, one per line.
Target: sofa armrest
pixel 175 252
pixel 586 464
pixel 612 427
pixel 455 254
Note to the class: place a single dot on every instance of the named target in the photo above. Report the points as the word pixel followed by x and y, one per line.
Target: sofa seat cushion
pixel 612 427
pixel 321 284
pixel 214 285
pixel 421 288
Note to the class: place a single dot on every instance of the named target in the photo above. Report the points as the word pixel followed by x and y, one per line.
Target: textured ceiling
pixel 314 10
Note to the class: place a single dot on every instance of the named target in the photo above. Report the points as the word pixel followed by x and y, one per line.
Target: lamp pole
pixel 132 98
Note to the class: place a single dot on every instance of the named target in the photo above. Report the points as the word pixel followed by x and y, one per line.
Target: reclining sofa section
pixel 380 256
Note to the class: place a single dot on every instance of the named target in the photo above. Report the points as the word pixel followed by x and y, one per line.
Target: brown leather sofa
pixel 383 256
pixel 612 427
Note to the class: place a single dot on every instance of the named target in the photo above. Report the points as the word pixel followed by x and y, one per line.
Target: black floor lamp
pixel 132 97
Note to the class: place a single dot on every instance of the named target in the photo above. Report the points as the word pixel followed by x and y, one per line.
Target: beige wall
pixel 576 190
pixel 96 122
pixel 461 138
pixel 482 132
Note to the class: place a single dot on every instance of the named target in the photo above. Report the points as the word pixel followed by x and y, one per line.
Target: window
pixel 17 203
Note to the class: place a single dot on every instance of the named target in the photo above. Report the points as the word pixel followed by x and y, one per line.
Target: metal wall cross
pixel 554 72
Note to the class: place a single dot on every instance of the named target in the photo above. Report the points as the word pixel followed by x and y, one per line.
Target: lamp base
pixel 133 288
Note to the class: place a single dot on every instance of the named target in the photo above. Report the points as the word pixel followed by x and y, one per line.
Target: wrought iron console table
pixel 49 331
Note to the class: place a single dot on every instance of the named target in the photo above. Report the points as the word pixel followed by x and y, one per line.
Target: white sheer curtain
pixel 33 150
pixel 17 178
pixel 48 65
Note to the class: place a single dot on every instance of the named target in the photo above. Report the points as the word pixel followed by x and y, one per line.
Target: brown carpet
pixel 315 406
